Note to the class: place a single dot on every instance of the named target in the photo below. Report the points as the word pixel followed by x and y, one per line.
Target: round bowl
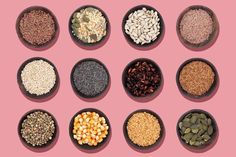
pixel 41 46
pixel 79 93
pixel 213 36
pixel 209 143
pixel 209 93
pixel 51 93
pixel 130 40
pixel 49 143
pixel 82 43
pixel 150 147
pixel 86 147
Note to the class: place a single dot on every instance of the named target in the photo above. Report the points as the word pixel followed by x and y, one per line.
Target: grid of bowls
pixel 143 28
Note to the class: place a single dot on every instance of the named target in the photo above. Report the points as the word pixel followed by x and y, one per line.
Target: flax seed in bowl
pixel 89 26
pixel 38 78
pixel 90 129
pixel 143 26
pixel 37 28
pixel 197 78
pixel 37 129
pixel 197 27
pixel 143 130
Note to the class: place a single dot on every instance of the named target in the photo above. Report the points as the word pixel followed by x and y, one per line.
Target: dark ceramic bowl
pixel 49 143
pixel 82 43
pixel 40 46
pixel 213 87
pixel 124 78
pixel 209 143
pixel 86 147
pixel 213 36
pixel 79 93
pixel 150 147
pixel 129 39
pixel 51 93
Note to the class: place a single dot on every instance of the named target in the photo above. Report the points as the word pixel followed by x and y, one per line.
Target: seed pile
pixel 90 78
pixel 196 26
pixel 142 78
pixel 89 25
pixel 90 128
pixel 143 26
pixel 38 77
pixel 37 27
pixel 196 78
pixel 143 129
pixel 196 129
pixel 38 128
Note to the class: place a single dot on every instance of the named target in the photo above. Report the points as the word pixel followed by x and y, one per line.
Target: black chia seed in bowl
pixel 37 129
pixel 90 78
pixel 142 78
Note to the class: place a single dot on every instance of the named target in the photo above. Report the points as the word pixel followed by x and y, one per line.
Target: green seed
pixel 209 121
pixel 200 132
pixel 187 137
pixel 210 130
pixel 203 116
pixel 206 137
pixel 193 119
pixel 195 130
pixel 183 129
pixel 188 130
pixel 197 143
pixel 186 124
pixel 180 124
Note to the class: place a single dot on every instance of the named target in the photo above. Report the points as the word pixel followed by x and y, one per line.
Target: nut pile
pixel 143 129
pixel 90 78
pixel 196 129
pixel 196 26
pixel 90 128
pixel 38 128
pixel 38 77
pixel 142 78
pixel 89 25
pixel 196 78
pixel 37 27
pixel 143 26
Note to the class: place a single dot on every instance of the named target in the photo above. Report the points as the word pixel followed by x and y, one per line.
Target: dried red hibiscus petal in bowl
pixel 142 77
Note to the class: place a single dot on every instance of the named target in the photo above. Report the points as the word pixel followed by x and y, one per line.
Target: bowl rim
pixel 125 18
pixel 25 117
pixel 213 86
pixel 131 63
pixel 212 36
pixel 34 96
pixel 78 93
pixel 208 143
pixel 25 42
pixel 80 42
pixel 158 141
pixel 85 146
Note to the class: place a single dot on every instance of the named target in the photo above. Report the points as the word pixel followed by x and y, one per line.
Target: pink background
pixel 115 54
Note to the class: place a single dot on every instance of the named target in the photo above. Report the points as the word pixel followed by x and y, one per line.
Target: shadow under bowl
pixel 34 97
pixel 212 37
pixel 83 44
pixel 147 45
pixel 86 147
pixel 209 144
pixel 209 93
pixel 43 147
pixel 37 47
pixel 150 148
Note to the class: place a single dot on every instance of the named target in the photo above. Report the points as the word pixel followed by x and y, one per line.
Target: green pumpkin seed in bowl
pixel 197 129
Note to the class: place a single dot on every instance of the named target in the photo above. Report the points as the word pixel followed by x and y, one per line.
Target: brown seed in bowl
pixel 196 26
pixel 196 78
pixel 37 27
pixel 143 129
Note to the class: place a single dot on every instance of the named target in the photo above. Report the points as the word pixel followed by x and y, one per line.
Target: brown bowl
pixel 213 36
pixel 39 47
